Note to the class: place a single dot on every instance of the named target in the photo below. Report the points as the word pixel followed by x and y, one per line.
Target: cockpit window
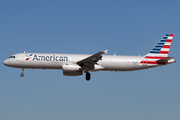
pixel 12 57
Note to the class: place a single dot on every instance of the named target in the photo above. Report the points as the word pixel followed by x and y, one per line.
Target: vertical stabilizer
pixel 160 51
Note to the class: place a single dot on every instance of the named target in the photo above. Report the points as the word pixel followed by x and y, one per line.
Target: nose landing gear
pixel 22 74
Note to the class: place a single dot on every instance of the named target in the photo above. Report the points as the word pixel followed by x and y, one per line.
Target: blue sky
pixel 124 27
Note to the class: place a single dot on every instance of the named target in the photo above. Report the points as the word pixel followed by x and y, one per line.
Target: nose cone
pixel 5 62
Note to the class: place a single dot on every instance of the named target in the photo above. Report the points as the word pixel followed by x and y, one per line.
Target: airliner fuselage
pixel 56 61
pixel 76 64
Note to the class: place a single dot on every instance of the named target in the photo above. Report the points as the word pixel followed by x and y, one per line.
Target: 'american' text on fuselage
pixel 50 58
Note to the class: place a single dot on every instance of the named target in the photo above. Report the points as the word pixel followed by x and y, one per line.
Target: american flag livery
pixel 159 52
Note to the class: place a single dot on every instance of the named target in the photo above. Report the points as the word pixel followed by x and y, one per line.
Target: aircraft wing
pixel 93 59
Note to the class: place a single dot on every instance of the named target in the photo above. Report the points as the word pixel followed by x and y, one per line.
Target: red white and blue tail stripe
pixel 160 51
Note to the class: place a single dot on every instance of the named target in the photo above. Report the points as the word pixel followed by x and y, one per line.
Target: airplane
pixel 76 64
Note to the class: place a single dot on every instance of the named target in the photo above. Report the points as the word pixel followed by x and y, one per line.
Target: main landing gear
pixel 88 76
pixel 22 74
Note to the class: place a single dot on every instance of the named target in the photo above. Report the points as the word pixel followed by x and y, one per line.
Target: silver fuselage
pixel 55 61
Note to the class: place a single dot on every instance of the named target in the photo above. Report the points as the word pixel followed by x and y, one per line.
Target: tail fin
pixel 160 51
pixel 162 48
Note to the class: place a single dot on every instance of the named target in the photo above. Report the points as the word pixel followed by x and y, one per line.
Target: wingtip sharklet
pixel 106 51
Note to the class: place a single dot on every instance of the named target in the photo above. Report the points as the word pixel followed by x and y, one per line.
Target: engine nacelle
pixel 71 69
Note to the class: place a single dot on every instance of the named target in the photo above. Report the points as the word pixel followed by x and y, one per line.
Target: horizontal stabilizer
pixel 164 59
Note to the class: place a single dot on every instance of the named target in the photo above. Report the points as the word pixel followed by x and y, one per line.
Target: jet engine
pixel 71 69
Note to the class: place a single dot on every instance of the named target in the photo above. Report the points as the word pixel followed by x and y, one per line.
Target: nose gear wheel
pixel 22 74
